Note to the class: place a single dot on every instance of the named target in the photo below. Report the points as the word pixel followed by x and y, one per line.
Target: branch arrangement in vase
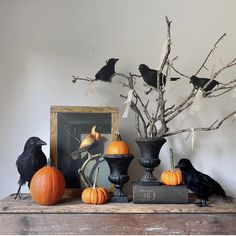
pixel 155 124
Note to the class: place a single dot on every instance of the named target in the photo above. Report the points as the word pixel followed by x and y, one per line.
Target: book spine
pixel 160 194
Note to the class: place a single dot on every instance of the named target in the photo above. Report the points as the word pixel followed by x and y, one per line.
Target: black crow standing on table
pixel 201 82
pixel 200 184
pixel 30 161
pixel 150 76
pixel 107 71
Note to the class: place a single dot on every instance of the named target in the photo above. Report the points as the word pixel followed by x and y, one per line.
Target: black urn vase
pixel 118 165
pixel 150 149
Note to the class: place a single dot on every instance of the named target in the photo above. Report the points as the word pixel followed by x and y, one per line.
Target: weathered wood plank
pixel 117 224
pixel 53 138
pixel 87 109
pixel 74 205
pixel 115 124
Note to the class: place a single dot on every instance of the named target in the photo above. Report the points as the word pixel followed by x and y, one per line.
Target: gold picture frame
pixel 68 124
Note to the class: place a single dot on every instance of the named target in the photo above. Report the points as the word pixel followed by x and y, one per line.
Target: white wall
pixel 44 42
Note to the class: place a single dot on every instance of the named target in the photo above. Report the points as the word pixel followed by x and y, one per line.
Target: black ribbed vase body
pixel 150 149
pixel 118 165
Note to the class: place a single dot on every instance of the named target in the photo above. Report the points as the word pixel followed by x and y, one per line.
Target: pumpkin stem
pixel 48 162
pixel 172 162
pixel 96 178
pixel 118 137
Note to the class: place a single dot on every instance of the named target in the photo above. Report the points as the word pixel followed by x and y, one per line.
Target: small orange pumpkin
pixel 172 177
pixel 118 147
pixel 95 195
pixel 47 186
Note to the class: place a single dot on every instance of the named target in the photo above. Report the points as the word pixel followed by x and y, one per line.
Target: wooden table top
pixel 71 205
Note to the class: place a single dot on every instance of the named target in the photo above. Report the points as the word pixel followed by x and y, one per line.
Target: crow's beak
pixel 116 59
pixel 40 143
pixel 177 166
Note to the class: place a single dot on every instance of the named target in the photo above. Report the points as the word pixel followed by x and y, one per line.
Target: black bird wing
pixel 213 186
pixel 30 162
pixel 203 185
pixel 150 77
pixel 105 73
pixel 212 84
pixel 201 82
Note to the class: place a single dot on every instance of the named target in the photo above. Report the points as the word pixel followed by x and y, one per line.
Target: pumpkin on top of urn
pixel 47 186
pixel 118 159
pixel 118 146
pixel 172 177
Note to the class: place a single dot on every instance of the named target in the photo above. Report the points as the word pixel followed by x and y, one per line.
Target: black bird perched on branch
pixel 150 76
pixel 201 82
pixel 107 71
pixel 30 161
pixel 201 184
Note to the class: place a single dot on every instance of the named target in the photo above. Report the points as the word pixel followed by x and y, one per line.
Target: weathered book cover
pixel 160 194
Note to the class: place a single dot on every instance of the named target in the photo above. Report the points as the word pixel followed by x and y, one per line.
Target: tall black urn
pixel 150 149
pixel 118 165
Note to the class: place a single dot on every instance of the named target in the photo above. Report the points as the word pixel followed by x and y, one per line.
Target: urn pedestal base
pixel 118 165
pixel 119 199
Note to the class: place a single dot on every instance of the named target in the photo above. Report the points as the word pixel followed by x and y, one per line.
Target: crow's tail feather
pixel 222 195
pixel 174 78
pixel 228 198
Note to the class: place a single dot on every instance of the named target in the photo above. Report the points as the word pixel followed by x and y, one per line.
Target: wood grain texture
pixel 74 205
pixel 53 138
pixel 73 217
pixel 115 124
pixel 117 224
pixel 85 109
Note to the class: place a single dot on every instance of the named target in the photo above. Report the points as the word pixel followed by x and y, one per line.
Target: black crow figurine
pixel 200 184
pixel 201 82
pixel 107 71
pixel 150 76
pixel 30 161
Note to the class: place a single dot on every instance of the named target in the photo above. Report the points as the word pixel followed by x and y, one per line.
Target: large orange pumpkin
pixel 118 147
pixel 95 195
pixel 172 177
pixel 47 186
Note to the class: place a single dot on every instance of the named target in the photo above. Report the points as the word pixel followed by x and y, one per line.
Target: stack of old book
pixel 159 194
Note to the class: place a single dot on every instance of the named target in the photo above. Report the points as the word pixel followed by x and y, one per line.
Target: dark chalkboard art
pixel 69 126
